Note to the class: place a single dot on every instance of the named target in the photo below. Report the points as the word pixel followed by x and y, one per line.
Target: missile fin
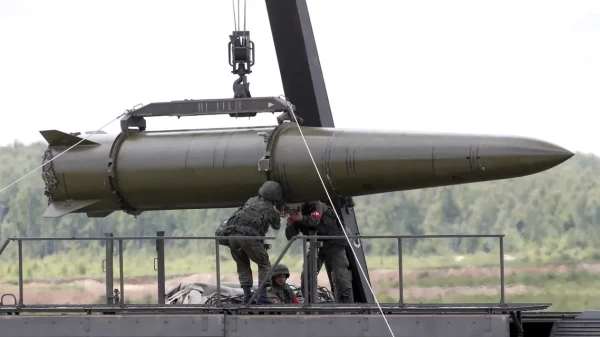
pixel 59 208
pixel 59 138
pixel 98 214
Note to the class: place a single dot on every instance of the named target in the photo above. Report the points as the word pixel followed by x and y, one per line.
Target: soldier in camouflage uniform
pixel 254 219
pixel 315 215
pixel 280 291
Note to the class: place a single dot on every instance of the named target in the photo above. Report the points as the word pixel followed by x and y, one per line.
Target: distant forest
pixel 557 209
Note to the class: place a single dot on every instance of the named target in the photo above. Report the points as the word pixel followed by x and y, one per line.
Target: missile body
pixel 138 171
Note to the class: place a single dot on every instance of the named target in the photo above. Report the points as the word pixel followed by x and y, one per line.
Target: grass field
pixel 530 277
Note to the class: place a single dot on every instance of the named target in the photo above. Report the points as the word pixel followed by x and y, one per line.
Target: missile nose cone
pixel 520 156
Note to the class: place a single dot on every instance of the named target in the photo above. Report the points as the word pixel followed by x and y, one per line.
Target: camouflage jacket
pixel 254 218
pixel 281 294
pixel 321 219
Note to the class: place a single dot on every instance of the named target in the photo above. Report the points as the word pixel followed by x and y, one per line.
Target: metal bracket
pixel 9 295
pixel 266 136
pixel 264 164
pixel 133 121
pixel 518 320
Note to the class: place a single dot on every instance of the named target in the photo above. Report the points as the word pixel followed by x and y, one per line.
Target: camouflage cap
pixel 281 269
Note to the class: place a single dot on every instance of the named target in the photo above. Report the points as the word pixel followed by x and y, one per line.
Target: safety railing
pixel 309 257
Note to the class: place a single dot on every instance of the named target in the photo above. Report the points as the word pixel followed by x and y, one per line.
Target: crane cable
pixel 291 109
pixel 236 20
pixel 60 154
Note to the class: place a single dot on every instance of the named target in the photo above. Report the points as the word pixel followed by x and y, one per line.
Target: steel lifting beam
pixel 234 107
pixel 304 85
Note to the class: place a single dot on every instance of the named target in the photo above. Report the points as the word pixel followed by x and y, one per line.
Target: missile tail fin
pixel 98 214
pixel 59 138
pixel 59 208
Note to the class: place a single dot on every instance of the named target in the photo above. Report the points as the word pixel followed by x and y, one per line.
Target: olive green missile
pixel 137 171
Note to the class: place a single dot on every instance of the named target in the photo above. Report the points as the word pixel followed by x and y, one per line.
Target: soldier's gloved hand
pixel 295 217
pixel 267 246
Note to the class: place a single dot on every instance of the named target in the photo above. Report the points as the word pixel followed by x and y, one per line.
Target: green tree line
pixel 556 210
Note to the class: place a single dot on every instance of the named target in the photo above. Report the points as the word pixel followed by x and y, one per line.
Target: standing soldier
pixel 280 292
pixel 254 219
pixel 317 216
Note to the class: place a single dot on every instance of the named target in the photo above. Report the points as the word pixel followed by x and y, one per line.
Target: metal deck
pixel 252 325
pixel 287 309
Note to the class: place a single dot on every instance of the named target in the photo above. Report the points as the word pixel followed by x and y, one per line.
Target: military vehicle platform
pixel 219 318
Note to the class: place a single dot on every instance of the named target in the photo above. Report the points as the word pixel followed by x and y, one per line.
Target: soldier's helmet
pixel 271 190
pixel 281 269
pixel 307 206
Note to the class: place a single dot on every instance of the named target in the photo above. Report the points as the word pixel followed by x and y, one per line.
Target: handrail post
pixel 121 280
pixel 160 256
pixel 502 298
pixel 218 260
pixel 20 249
pixel 109 268
pixel 273 266
pixel 313 269
pixel 400 274
pixel 305 269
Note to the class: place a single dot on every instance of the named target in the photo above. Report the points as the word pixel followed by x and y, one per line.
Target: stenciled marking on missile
pixel 350 163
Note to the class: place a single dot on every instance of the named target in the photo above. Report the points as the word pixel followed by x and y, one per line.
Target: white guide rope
pixel 336 214
pixel 60 154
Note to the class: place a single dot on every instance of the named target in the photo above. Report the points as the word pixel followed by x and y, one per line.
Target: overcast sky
pixel 527 68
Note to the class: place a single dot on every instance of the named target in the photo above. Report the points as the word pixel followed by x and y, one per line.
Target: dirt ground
pixel 141 289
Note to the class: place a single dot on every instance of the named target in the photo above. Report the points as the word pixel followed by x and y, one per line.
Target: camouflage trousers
pixel 244 251
pixel 336 264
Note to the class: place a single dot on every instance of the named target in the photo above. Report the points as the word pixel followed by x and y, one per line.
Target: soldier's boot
pixel 247 294
pixel 263 298
pixel 345 299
